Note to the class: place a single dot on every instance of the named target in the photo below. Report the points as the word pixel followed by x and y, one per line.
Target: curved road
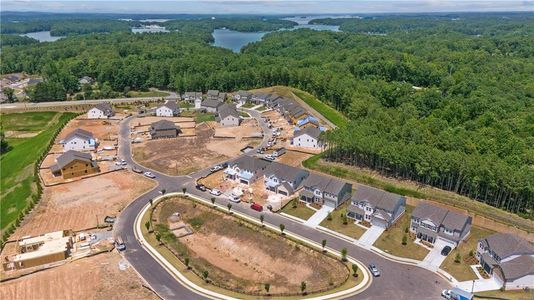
pixel 398 281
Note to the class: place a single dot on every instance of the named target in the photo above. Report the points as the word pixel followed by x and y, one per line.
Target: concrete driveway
pixel 434 259
pixel 480 285
pixel 318 217
pixel 371 235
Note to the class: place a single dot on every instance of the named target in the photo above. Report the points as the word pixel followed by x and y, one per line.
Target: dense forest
pixel 435 104
pixel 14 40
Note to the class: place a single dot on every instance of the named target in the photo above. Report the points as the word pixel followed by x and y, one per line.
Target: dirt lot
pixel 97 277
pixel 293 158
pixel 101 129
pixel 77 205
pixel 278 121
pixel 248 128
pixel 246 256
pixel 146 121
pixel 184 155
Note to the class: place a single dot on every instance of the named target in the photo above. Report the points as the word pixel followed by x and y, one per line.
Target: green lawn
pixel 462 271
pixel 139 94
pixel 184 104
pixel 29 122
pixel 506 295
pixel 409 189
pixel 391 240
pixel 248 104
pixel 17 183
pixel 301 211
pixel 204 117
pixel 261 108
pixel 328 112
pixel 350 229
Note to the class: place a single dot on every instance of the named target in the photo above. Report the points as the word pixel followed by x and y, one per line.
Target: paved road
pixel 25 105
pixel 398 281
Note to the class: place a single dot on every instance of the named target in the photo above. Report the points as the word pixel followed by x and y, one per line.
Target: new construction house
pixel 227 115
pixel 74 164
pixel 79 140
pixel 163 129
pixel 101 111
pixel 246 169
pixel 325 190
pixel 283 179
pixel 432 223
pixel 168 109
pixel 508 258
pixel 376 207
pixel 44 249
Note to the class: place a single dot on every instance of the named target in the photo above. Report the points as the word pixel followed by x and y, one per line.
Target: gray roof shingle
pixel 505 244
pixel 71 155
pixel 163 125
pixel 324 183
pixel 518 267
pixel 80 133
pixel 249 163
pixel 170 104
pixel 377 198
pixel 283 171
pixel 441 216
pixel 312 131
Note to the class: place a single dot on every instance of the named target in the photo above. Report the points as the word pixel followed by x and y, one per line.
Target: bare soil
pixel 184 155
pixel 293 158
pixel 101 129
pixel 96 277
pixel 81 204
pixel 243 257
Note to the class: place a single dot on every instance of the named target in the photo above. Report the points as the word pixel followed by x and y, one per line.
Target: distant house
pixel 192 96
pixel 507 258
pixel 433 223
pixel 79 140
pixel 74 164
pixel 211 106
pixel 307 138
pixel 34 81
pixel 228 116
pixel 242 96
pixel 169 109
pixel 222 97
pixel 212 95
pixel 101 111
pixel 85 80
pixel 376 206
pixel 307 121
pixel 259 98
pixel 163 129
pixel 325 190
pixel 246 169
pixel 283 179
pixel 272 100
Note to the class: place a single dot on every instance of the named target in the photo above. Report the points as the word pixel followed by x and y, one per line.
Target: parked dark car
pixel 119 244
pixel 201 187
pixel 109 219
pixel 446 250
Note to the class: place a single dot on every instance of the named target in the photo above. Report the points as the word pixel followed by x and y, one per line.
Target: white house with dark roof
pixel 101 111
pixel 227 115
pixel 508 258
pixel 307 138
pixel 168 109
pixel 79 140
pixel 376 206
pixel 212 95
pixel 246 169
pixel 431 223
pixel 242 96
pixel 325 190
pixel 283 179
pixel 210 105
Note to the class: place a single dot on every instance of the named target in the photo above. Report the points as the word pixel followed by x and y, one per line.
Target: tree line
pixel 448 109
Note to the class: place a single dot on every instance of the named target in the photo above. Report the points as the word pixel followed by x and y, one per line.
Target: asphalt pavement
pixel 398 281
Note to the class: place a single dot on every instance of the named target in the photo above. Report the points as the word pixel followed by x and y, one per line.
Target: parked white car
pixel 149 175
pixel 235 198
pixel 215 192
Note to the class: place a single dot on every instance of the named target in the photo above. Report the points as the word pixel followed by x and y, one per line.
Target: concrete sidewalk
pixel 480 285
pixel 318 217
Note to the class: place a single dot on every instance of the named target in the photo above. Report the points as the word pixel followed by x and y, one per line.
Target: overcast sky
pixel 266 6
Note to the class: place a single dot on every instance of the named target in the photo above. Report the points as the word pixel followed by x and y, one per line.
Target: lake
pixel 42 36
pixel 235 40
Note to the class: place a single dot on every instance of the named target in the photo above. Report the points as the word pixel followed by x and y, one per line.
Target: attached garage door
pixel 379 222
pixel 330 203
pixel 244 181
pixel 281 192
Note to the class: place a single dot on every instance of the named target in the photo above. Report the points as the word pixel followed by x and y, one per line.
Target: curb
pixel 366 282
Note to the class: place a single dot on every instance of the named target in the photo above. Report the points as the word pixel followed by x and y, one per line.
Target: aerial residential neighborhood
pixel 267 150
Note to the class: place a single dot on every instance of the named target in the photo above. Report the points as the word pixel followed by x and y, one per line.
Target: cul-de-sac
pixel 273 155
